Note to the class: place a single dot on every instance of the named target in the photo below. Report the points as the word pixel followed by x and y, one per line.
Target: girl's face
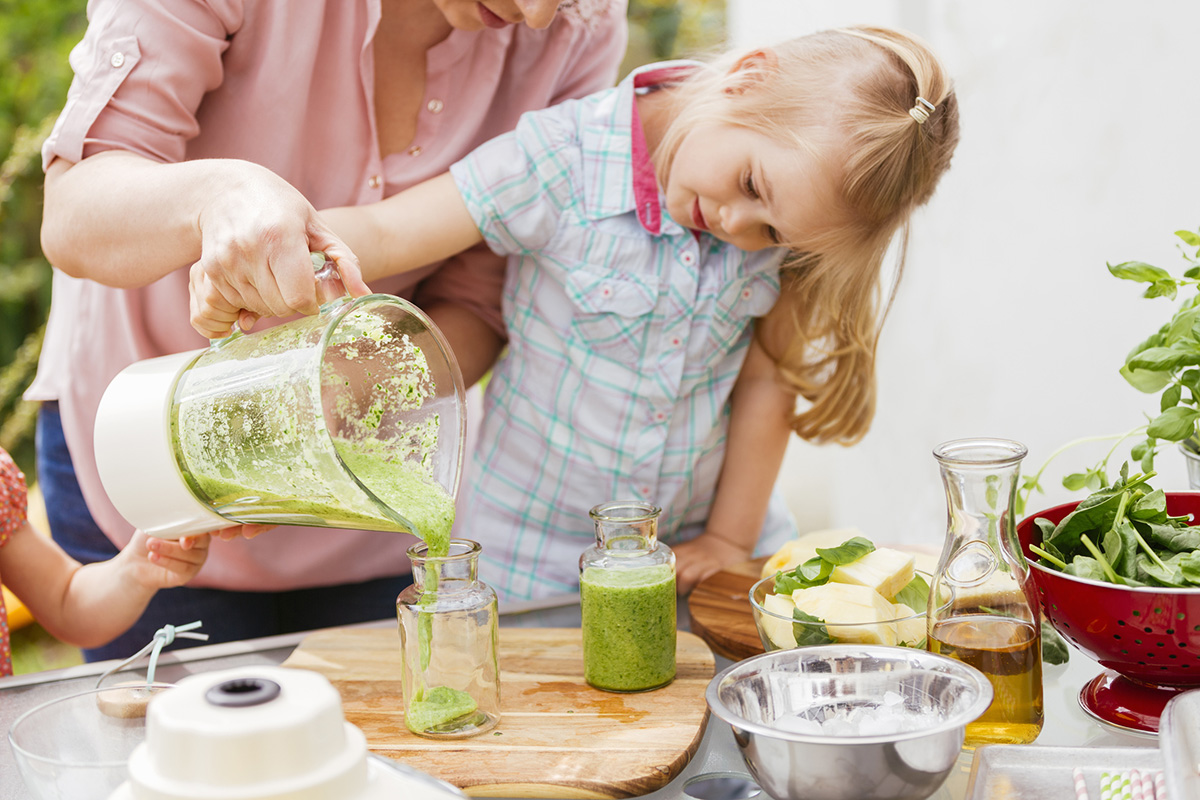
pixel 473 15
pixel 749 190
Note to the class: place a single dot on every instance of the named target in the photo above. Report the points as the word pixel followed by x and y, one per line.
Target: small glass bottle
pixel 982 608
pixel 448 631
pixel 627 599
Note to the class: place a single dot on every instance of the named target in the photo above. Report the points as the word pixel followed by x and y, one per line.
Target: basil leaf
pixel 915 594
pixel 847 552
pixel 1139 271
pixel 809 629
pixel 1174 424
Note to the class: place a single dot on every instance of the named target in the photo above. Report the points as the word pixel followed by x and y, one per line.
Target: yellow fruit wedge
pixel 797 551
pixel 852 613
pixel 777 630
pixel 910 632
pixel 885 570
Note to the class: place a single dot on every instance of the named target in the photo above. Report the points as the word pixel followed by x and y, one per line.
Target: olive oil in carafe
pixel 1008 652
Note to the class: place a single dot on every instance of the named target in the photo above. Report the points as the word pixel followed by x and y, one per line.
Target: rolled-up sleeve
pixel 517 186
pixel 141 71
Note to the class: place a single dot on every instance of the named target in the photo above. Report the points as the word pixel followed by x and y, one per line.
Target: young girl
pixel 82 605
pixel 688 253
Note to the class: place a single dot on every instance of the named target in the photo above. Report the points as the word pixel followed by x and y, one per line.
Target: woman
pixel 193 134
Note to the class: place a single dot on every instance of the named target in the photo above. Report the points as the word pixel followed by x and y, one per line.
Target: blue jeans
pixel 227 615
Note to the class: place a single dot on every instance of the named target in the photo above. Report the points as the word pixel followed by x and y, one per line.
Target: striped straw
pixel 1081 792
pixel 1160 787
pixel 1135 786
pixel 1106 780
pixel 1148 785
pixel 1121 787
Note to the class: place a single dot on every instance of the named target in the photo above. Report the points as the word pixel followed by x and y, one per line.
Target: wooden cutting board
pixel 721 614
pixel 557 736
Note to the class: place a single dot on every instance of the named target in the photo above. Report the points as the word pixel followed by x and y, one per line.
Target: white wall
pixel 1080 122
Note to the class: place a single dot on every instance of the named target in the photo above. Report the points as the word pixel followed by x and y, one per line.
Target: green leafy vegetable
pixel 1123 534
pixel 816 570
pixel 1054 647
pixel 809 629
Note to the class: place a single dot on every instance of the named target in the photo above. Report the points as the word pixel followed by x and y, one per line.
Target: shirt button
pixel 645 490
pixel 415 150
pixel 117 59
pixel 746 293
pixel 675 341
pixel 374 181
pixel 435 106
pixel 660 416
pixel 688 258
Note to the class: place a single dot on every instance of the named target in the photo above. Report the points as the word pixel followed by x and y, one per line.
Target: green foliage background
pixel 36 37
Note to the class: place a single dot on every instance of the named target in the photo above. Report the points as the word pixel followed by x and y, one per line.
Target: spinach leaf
pixel 1054 647
pixel 1189 567
pixel 1171 537
pixel 1165 574
pixel 1086 567
pixel 809 629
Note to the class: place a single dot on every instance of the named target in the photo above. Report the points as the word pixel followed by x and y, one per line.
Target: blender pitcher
pixel 352 418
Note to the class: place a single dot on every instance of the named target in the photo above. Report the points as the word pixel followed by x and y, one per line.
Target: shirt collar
pixel 616 131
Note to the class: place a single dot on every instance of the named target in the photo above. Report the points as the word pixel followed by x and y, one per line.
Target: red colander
pixel 1148 639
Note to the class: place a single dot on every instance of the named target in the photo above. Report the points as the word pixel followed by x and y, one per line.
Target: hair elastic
pixel 921 110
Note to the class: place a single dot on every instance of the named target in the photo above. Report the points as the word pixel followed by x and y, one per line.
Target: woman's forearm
pixel 126 221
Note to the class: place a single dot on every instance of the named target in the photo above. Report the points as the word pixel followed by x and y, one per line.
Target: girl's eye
pixel 773 235
pixel 748 183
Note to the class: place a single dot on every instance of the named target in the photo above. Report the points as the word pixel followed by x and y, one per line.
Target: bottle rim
pixel 980 451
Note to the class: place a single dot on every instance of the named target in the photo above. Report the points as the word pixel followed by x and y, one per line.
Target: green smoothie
pixel 628 627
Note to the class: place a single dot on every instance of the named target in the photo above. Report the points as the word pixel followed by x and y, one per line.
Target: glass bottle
pixel 982 608
pixel 448 630
pixel 627 599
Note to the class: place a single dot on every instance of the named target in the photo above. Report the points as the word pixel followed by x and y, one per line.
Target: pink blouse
pixel 287 85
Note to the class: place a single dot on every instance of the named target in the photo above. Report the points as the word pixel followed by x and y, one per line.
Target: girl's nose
pixel 538 13
pixel 735 218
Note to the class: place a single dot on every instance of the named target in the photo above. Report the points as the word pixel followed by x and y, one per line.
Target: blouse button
pixel 415 150
pixel 688 258
pixel 746 294
pixel 117 59
pixel 435 106
pixel 374 181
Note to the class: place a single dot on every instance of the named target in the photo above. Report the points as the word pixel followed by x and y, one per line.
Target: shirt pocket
pixel 612 313
pixel 736 304
pixel 100 66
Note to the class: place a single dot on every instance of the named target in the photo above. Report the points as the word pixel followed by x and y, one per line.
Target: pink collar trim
pixel 645 183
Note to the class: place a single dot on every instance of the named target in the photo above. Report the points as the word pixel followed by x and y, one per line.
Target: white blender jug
pixel 263 733
pixel 352 418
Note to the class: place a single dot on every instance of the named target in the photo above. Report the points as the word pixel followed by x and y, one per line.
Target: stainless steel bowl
pixel 762 693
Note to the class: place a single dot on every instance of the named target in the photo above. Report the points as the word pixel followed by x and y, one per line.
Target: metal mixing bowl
pixel 758 695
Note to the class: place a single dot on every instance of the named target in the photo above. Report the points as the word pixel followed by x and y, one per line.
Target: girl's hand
pixel 161 563
pixel 256 236
pixel 703 556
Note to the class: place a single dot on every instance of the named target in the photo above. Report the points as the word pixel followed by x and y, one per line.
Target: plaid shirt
pixel 626 334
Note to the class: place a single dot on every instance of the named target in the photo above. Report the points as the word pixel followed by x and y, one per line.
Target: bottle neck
pixel 459 568
pixel 629 527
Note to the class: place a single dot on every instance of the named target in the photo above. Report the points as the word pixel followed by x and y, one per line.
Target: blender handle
pixel 330 292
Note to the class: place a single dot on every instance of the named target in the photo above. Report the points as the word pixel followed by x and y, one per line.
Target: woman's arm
pixel 123 220
pixel 91 605
pixel 760 409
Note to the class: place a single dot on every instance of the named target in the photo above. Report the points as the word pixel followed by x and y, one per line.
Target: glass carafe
pixel 350 418
pixel 627 600
pixel 992 619
pixel 448 632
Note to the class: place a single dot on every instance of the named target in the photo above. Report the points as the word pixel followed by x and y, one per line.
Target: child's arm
pixel 760 408
pixel 426 223
pixel 90 605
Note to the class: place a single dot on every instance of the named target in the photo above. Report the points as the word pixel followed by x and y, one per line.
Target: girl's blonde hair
pixel 843 95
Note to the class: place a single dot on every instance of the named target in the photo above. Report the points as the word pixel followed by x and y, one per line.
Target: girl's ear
pixel 751 69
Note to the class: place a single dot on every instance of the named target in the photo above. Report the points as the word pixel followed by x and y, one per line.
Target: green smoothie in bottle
pixel 627 598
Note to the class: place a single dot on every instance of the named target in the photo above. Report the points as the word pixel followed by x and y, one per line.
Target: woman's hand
pixel 256 236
